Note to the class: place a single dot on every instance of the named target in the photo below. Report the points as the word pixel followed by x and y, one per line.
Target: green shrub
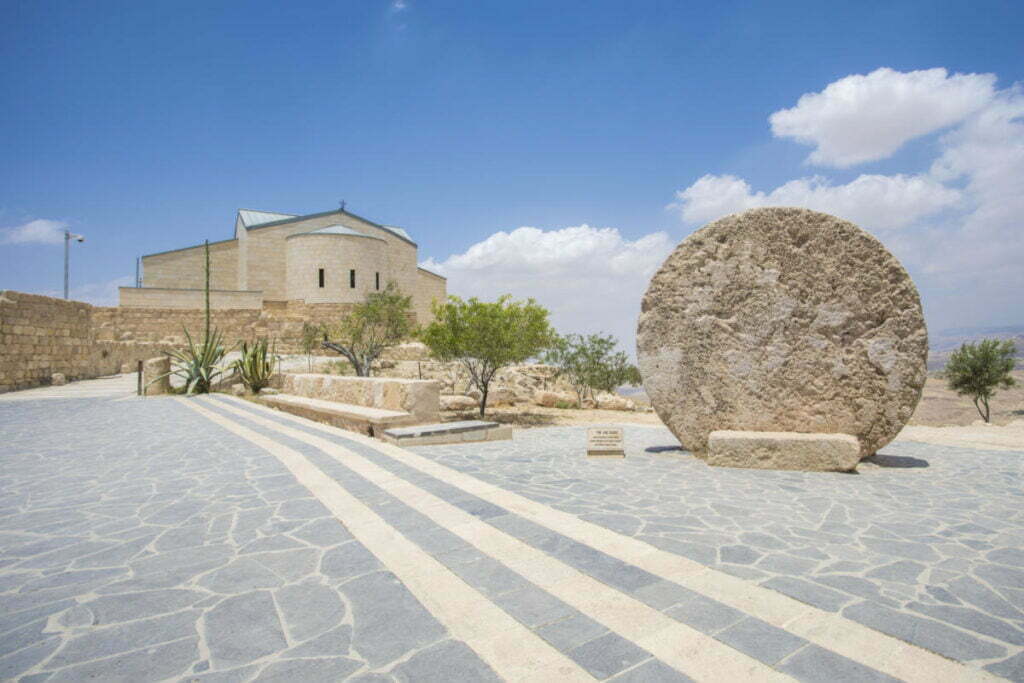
pixel 564 405
pixel 256 366
pixel 978 370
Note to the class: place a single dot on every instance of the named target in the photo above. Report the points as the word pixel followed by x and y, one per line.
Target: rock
pixel 238 389
pixel 269 391
pixel 783 451
pixel 128 368
pixel 606 401
pixel 498 396
pixel 552 399
pixel 58 379
pixel 782 319
pixel 458 402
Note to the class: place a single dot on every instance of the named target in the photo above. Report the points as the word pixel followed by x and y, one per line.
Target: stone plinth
pixel 783 451
pixel 155 379
pixel 782 319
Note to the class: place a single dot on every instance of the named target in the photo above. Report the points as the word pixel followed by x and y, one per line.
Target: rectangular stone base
pixel 448 432
pixel 783 451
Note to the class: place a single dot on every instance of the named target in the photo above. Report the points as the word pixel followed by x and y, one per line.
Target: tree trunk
pixel 483 400
pixel 984 413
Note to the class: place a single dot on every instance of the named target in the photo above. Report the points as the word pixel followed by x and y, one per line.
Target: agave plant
pixel 256 366
pixel 199 364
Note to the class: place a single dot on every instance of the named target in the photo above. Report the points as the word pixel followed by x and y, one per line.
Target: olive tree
pixel 487 336
pixel 383 320
pixel 591 363
pixel 977 370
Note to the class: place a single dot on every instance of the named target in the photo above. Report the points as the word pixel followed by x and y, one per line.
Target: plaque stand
pixel 605 442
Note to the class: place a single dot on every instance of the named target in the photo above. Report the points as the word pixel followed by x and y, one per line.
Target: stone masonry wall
pixel 158 297
pixel 185 268
pixel 429 287
pixel 40 336
pixel 280 322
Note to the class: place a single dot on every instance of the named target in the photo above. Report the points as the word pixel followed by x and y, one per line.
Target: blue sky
pixel 613 128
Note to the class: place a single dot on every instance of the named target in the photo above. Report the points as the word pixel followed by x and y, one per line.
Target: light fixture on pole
pixel 68 236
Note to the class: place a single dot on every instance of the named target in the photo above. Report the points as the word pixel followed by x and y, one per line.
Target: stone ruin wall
pixel 42 335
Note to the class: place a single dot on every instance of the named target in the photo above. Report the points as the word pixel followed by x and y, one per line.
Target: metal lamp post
pixel 68 236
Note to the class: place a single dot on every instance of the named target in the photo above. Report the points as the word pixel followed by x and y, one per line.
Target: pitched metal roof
pixel 398 231
pixel 287 218
pixel 336 230
pixel 252 218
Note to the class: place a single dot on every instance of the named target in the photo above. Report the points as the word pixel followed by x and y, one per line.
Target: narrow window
pixel 377 283
pixel 321 278
pixel 352 279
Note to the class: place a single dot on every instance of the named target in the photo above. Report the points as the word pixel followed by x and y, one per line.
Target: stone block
pixel 783 451
pixel 155 379
pixel 550 399
pixel 782 319
pixel 58 379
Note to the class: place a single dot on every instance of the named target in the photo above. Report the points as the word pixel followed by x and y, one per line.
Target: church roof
pixel 252 218
pixel 398 231
pixel 336 230
pixel 265 219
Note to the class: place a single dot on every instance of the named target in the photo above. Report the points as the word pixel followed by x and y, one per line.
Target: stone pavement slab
pixel 140 541
pixel 213 539
pixel 846 637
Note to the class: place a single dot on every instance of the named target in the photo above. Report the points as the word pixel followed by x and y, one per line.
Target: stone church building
pixel 277 259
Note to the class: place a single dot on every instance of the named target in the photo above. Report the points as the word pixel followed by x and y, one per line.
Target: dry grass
pixel 940 407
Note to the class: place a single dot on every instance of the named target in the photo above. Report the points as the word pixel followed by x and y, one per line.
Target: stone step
pixel 448 432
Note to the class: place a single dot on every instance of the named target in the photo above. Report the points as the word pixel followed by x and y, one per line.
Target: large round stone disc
pixel 782 319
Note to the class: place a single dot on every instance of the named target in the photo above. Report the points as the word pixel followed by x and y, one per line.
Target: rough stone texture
pixel 606 401
pixel 420 398
pixel 550 399
pixel 58 379
pixel 783 451
pixel 458 402
pixel 782 319
pixel 155 378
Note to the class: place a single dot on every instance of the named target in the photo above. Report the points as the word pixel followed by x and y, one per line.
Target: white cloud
pixel 39 231
pixel 398 6
pixel 96 293
pixel 591 279
pixel 876 202
pixel 958 227
pixel 866 118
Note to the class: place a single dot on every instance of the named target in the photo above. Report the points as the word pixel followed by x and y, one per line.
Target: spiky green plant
pixel 256 366
pixel 199 364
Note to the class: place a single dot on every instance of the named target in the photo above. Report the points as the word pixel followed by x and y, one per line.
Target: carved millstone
pixel 782 320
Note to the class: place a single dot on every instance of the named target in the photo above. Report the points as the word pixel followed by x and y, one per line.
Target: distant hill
pixel 944 342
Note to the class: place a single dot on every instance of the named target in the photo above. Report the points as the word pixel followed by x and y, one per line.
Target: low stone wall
pixel 421 398
pixel 41 336
pixel 161 297
pixel 280 322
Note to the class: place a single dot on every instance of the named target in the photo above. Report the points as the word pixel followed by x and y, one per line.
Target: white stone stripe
pixel 694 653
pixel 831 631
pixel 512 650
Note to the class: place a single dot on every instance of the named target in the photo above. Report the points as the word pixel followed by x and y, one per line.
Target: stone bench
pixel 783 451
pixel 369 421
pixel 448 432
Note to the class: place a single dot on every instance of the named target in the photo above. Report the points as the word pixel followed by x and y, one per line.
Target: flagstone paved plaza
pixel 210 539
